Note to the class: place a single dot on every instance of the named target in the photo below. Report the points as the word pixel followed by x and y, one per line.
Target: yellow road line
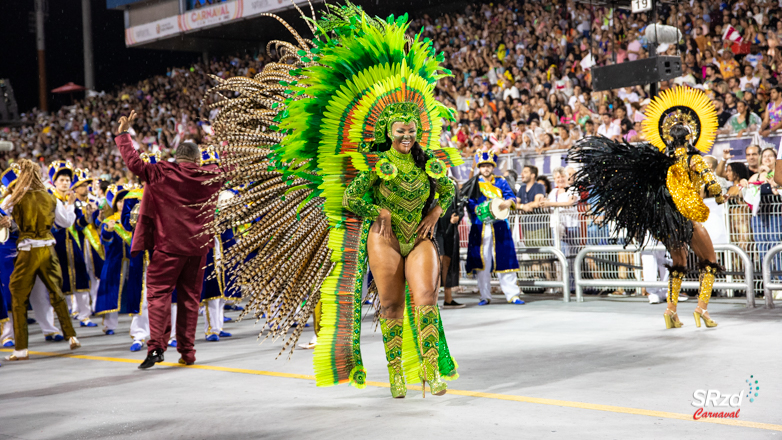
pixel 535 400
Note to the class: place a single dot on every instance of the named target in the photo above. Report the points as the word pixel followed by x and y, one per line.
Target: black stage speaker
pixel 9 111
pixel 635 73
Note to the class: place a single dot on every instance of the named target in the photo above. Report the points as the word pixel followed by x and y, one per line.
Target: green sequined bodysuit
pixel 404 196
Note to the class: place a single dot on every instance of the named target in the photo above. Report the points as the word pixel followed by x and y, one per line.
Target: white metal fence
pixel 571 229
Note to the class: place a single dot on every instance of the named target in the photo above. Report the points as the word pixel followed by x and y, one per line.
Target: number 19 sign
pixel 641 5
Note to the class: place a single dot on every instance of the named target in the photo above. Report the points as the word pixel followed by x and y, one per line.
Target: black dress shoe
pixel 153 357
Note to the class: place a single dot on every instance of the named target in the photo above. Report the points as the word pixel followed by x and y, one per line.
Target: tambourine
pixel 490 211
pixel 223 198
pixel 134 214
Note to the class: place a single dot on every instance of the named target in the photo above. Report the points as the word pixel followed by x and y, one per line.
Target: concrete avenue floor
pixel 602 369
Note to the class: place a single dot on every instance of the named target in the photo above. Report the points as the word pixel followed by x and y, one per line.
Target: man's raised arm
pixel 146 171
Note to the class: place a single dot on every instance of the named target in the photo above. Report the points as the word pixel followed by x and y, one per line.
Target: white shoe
pixel 683 297
pixel 18 355
pixel 654 298
pixel 310 345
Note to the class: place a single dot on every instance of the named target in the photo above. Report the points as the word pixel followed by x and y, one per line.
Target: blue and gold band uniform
pixel 69 244
pixel 7 255
pixel 132 299
pixel 88 227
pixel 505 259
pixel 214 291
pixel 116 244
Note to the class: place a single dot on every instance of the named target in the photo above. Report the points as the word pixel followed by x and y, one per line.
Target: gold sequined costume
pixel 653 190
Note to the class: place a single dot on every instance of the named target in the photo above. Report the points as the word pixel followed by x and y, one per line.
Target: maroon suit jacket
pixel 166 221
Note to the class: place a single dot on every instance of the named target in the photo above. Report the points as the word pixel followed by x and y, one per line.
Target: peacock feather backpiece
pixel 291 139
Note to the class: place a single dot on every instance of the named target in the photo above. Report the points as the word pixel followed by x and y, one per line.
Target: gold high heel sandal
pixel 427 319
pixel 392 341
pixel 706 320
pixel 672 320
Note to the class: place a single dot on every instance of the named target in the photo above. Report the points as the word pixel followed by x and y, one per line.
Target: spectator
pixel 730 100
pixel 565 141
pixel 739 213
pixel 512 178
pixel 728 66
pixel 534 223
pixel 752 153
pixel 548 143
pixel 589 128
pixel 722 115
pixel 772 119
pixel 608 128
pixel 767 221
pixel 743 122
pixel 543 180
pixel 711 161
pixel 530 193
pixel 628 131
pixel 749 80
pixel 565 223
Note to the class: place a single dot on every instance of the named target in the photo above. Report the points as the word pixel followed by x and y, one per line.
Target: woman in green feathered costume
pixel 347 172
pixel 398 196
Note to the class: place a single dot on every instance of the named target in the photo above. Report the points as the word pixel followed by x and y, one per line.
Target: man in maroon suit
pixel 170 224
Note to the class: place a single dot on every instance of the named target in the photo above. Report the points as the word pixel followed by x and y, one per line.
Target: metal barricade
pixel 563 284
pixel 747 285
pixel 538 240
pixel 754 235
pixel 768 285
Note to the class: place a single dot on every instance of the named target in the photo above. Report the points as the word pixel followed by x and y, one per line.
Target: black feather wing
pixel 626 184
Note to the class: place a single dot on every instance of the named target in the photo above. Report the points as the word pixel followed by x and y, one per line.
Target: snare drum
pixel 490 211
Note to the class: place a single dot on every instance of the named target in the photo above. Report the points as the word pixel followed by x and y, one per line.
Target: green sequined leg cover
pixel 427 320
pixel 392 341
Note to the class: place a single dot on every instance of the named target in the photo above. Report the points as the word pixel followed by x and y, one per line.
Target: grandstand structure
pixel 212 26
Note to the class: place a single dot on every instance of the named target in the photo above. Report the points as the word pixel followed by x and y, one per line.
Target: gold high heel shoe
pixel 698 316
pixel 74 343
pixel 427 319
pixel 672 320
pixel 392 341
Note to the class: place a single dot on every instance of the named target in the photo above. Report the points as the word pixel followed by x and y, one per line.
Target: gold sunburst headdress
pixel 685 106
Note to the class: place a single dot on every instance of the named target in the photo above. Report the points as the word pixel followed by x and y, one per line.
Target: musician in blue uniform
pixel 7 256
pixel 134 300
pixel 214 290
pixel 75 280
pixel 116 244
pixel 490 246
pixel 86 232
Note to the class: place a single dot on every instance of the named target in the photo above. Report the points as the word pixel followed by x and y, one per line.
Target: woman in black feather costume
pixel 649 191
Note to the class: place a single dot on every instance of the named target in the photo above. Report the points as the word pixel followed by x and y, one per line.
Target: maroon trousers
pixel 186 273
